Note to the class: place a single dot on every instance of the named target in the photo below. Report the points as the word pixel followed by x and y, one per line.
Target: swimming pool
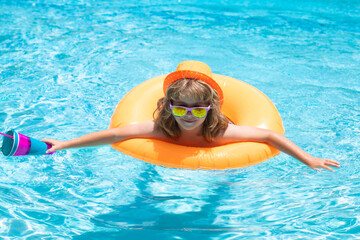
pixel 64 65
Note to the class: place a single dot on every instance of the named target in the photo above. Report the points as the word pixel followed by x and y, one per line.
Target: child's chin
pixel 189 126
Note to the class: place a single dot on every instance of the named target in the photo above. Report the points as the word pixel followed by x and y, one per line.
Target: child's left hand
pixel 316 163
pixel 55 144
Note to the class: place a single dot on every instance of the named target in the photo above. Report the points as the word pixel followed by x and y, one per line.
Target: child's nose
pixel 189 113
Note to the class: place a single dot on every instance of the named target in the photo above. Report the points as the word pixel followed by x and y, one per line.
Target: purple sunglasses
pixel 180 111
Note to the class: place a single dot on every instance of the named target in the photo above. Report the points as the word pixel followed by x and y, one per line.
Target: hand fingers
pixel 52 149
pixel 52 143
pixel 326 167
pixel 332 163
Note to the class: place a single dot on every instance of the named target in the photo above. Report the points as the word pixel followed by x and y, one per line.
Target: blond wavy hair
pixel 215 120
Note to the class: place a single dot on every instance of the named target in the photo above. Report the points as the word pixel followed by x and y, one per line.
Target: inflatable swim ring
pixel 243 104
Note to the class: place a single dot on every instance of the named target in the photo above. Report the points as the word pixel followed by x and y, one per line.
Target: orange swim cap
pixel 193 70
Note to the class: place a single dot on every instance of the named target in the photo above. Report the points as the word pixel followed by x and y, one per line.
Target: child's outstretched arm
pixel 280 142
pixel 105 137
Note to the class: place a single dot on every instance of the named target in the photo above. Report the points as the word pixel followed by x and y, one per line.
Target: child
pixel 190 115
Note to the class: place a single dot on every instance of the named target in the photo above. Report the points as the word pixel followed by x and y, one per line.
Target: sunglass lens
pixel 179 111
pixel 199 112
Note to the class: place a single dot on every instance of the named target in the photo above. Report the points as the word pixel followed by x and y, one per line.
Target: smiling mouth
pixel 189 121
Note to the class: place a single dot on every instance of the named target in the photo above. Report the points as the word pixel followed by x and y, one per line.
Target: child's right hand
pixel 317 163
pixel 56 144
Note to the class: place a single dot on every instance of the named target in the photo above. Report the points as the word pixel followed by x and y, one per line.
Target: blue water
pixel 64 65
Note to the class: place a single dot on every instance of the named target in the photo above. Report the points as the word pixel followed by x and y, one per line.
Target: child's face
pixel 189 122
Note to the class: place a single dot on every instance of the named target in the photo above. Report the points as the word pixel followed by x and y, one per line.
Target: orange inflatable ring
pixel 243 105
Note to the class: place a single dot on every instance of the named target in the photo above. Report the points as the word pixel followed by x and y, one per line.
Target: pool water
pixel 64 65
